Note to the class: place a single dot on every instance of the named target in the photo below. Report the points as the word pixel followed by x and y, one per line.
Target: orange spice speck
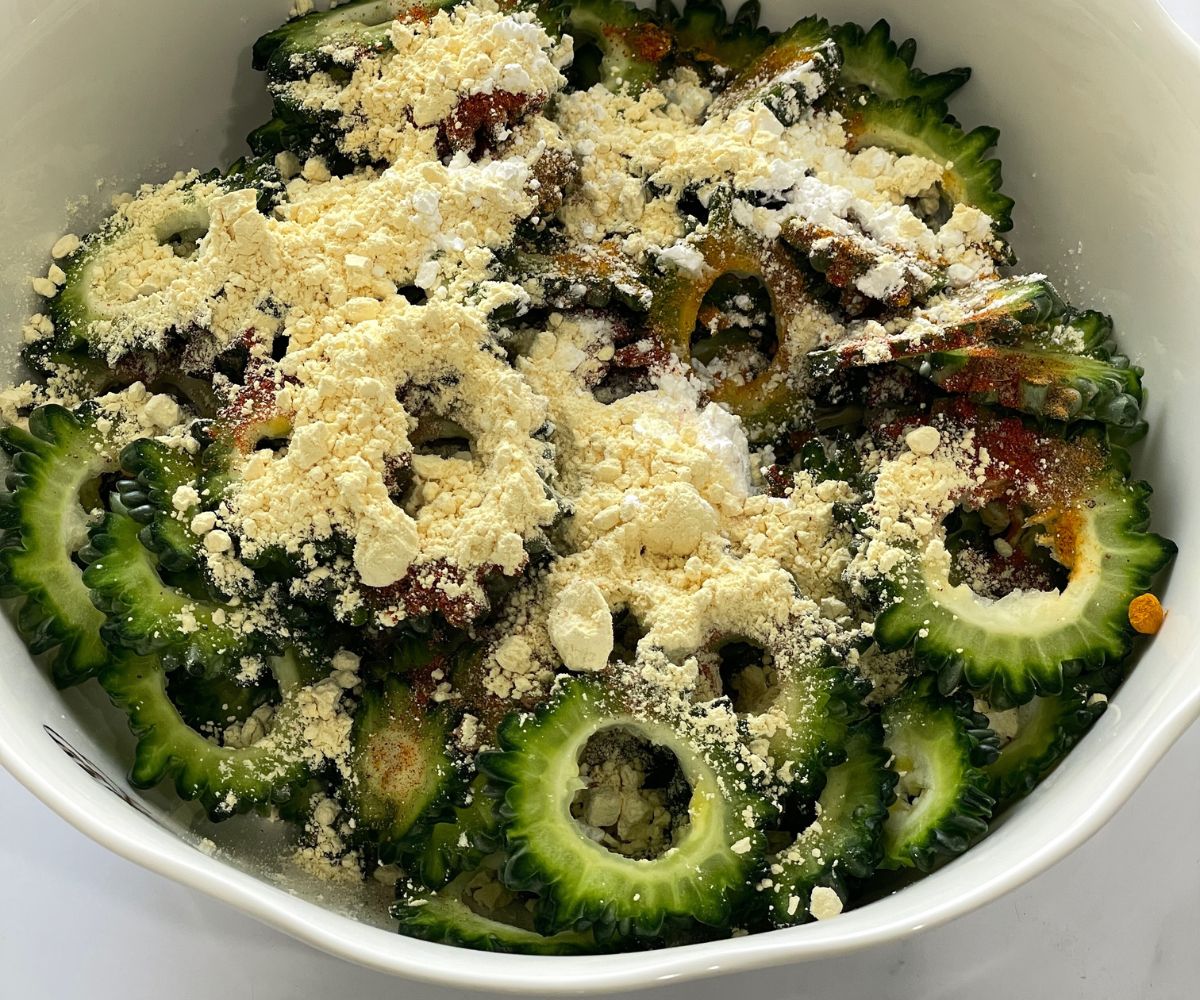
pixel 1146 614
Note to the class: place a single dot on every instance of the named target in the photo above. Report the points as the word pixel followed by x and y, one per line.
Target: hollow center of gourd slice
pixel 635 797
pixel 229 713
pixel 995 553
pixel 747 675
pixel 438 442
pixel 735 339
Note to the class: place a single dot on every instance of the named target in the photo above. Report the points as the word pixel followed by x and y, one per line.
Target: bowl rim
pixel 158 850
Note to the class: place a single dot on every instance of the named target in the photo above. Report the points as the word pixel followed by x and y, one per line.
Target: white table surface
pixel 1117 920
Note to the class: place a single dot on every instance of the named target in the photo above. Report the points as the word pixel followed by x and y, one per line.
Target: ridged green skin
pixel 807 45
pixel 440 854
pixel 629 40
pixel 226 781
pixel 821 703
pixel 706 37
pixel 402 773
pixel 1047 728
pixel 43 526
pixel 152 473
pixel 1026 642
pixel 143 612
pixel 912 127
pixel 998 310
pixel 1051 384
pixel 939 745
pixel 846 839
pixel 873 63
pixel 581 883
pixel 295 48
pixel 444 917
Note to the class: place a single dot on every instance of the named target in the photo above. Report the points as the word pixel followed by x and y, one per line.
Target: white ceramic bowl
pixel 1096 101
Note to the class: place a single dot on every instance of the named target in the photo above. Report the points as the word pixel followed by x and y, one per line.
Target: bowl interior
pixel 1099 139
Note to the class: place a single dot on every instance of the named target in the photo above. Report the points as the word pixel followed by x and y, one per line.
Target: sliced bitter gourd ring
pixel 1046 728
pixel 147 615
pixel 1019 645
pixel 938 746
pixel 226 780
pixel 845 841
pixel 706 38
pixel 768 401
pixel 874 64
pixel 571 278
pixel 340 36
pixel 44 524
pixel 991 311
pixel 1052 384
pixel 913 128
pixel 788 77
pixel 630 43
pixel 456 915
pixel 703 877
pixel 402 774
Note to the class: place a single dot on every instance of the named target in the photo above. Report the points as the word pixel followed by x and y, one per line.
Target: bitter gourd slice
pixel 787 77
pixel 988 312
pixel 153 473
pixel 402 772
pixel 914 128
pixel 1046 728
pixel 458 843
pixel 872 63
pixel 44 525
pixel 938 745
pixel 703 877
pixel 630 44
pixel 457 915
pixel 768 401
pixel 845 840
pixel 1057 385
pixel 707 38
pixel 226 780
pixel 340 36
pixel 1020 645
pixel 145 614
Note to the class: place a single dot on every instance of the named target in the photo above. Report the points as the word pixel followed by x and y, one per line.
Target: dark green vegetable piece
pixel 845 841
pixel 628 45
pixel 403 775
pixel 817 702
pixel 1020 645
pixel 914 128
pixel 703 878
pixel 477 911
pixel 939 744
pixel 1052 384
pixel 768 401
pixel 706 38
pixel 458 843
pixel 1046 728
pixel 990 312
pixel 225 779
pixel 153 473
pixel 789 76
pixel 872 63
pixel 147 615
pixel 44 517
pixel 335 37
